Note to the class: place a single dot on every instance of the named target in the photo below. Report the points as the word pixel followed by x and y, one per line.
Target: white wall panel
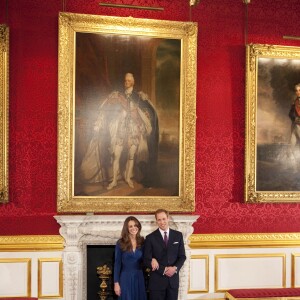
pixel 296 270
pixel 199 280
pixel 12 278
pixel 274 271
pixel 243 265
pixel 250 271
pixel 15 277
pixel 50 277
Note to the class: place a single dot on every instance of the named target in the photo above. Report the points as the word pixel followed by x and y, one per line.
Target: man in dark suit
pixel 164 254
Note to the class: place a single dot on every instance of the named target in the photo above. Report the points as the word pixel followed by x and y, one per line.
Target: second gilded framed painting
pixel 126 114
pixel 272 161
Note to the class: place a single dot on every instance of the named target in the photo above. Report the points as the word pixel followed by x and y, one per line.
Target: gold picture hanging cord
pixel 64 4
pixel 290 37
pixel 246 22
pixel 6 12
pixel 192 3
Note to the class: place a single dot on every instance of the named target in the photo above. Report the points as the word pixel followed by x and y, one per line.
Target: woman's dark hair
pixel 124 241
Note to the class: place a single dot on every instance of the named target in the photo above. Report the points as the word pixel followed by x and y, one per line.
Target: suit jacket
pixel 172 255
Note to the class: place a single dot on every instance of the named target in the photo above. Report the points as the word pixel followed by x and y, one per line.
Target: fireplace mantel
pixel 79 231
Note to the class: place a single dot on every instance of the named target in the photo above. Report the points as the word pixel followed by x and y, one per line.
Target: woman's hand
pixel 154 264
pixel 117 289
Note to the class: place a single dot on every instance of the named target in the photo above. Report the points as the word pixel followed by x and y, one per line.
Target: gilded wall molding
pixel 40 277
pixel 31 243
pixel 244 240
pixel 228 240
pixel 4 120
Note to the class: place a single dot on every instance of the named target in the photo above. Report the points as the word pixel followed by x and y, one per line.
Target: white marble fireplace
pixel 79 231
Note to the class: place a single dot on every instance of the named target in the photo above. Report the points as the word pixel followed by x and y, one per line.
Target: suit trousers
pixel 167 294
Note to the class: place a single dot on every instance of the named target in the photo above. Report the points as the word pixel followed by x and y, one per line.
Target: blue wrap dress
pixel 128 273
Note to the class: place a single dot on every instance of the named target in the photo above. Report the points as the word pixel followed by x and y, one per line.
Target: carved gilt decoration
pixel 4 55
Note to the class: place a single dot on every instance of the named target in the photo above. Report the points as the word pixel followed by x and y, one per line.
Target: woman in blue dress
pixel 129 281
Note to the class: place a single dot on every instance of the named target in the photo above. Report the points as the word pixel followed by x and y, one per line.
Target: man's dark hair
pixel 161 210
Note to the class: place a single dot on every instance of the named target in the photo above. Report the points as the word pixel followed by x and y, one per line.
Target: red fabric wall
pixel 220 108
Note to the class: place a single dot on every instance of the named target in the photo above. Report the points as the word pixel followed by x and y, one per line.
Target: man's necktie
pixel 166 238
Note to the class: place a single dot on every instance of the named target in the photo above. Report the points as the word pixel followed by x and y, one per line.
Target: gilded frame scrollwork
pixel 272 72
pixel 4 56
pixel 71 28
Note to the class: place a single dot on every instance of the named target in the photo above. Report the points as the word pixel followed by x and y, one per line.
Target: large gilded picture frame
pixel 272 154
pixel 126 114
pixel 4 111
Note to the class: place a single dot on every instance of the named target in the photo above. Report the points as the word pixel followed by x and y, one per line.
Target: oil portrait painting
pixel 273 145
pixel 127 125
pixel 128 122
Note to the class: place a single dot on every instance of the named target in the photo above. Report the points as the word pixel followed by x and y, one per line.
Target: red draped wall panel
pixel 220 108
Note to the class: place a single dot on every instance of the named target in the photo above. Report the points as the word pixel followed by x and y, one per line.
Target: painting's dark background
pixel 219 165
pixel 277 166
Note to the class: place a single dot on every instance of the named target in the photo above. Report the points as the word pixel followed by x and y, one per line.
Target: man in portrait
pixel 124 145
pixel 294 115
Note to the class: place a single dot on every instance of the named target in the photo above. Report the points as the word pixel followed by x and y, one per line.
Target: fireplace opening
pixel 100 267
pixel 100 256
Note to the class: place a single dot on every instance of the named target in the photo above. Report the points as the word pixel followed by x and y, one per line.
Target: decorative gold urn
pixel 104 274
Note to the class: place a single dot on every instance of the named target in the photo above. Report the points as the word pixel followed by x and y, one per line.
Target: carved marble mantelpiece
pixel 79 231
